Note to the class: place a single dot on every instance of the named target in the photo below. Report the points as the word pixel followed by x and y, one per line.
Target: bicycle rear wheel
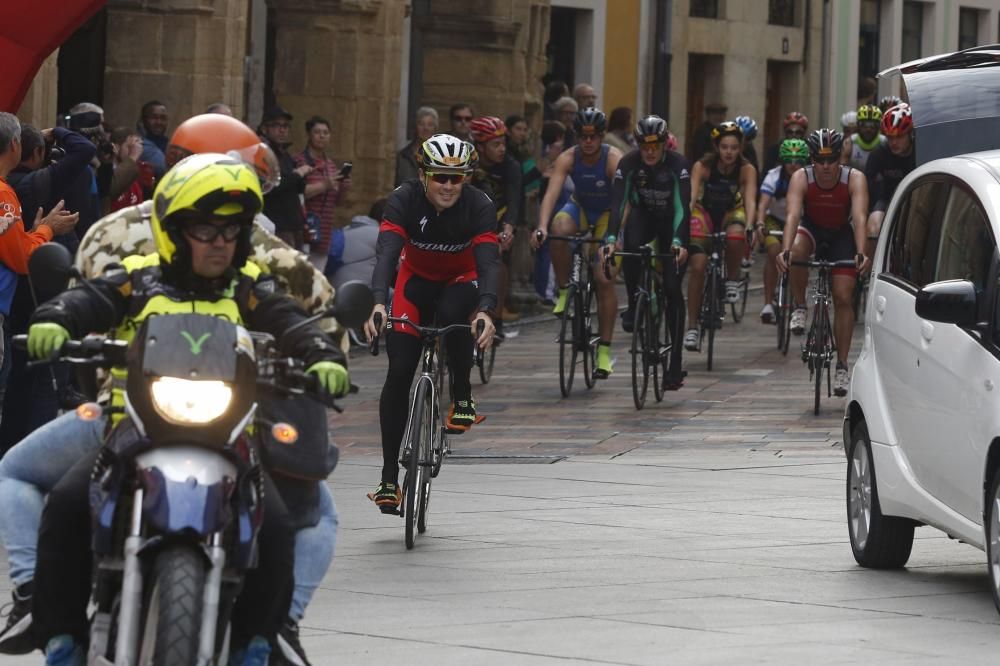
pixel 567 343
pixel 640 351
pixel 661 348
pixel 421 422
pixel 587 348
pixel 485 363
pixel 712 286
pixel 739 308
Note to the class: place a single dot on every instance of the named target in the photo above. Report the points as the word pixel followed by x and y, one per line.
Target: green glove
pixel 46 339
pixel 332 377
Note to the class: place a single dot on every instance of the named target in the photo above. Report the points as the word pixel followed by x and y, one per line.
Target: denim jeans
pixel 314 547
pixel 28 472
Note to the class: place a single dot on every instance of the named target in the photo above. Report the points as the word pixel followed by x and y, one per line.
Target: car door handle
pixel 988 384
pixel 927 330
pixel 880 304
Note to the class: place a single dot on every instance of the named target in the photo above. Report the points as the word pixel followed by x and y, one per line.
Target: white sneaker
pixel 767 314
pixel 691 339
pixel 733 291
pixel 841 381
pixel 798 322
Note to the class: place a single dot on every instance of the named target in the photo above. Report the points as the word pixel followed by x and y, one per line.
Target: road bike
pixel 425 440
pixel 820 348
pixel 713 296
pixel 783 306
pixel 651 343
pixel 576 328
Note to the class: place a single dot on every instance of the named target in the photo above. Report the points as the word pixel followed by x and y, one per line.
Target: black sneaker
pixel 462 415
pixel 289 652
pixel 17 637
pixel 628 320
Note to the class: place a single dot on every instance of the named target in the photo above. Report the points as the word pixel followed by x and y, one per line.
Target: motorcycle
pixel 176 495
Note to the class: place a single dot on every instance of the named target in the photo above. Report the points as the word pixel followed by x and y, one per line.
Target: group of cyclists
pixel 826 195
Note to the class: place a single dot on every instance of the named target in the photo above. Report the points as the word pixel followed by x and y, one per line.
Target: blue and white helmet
pixel 749 127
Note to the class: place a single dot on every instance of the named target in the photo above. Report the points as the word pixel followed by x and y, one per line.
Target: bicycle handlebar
pixel 820 263
pixel 577 239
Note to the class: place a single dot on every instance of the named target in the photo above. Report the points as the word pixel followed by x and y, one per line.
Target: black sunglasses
pixel 206 232
pixel 463 119
pixel 442 178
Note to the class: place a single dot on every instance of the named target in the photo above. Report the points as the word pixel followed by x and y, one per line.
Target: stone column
pixel 342 60
pixel 185 53
pixel 39 105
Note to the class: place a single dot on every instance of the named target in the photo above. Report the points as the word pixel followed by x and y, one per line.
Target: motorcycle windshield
pixel 192 346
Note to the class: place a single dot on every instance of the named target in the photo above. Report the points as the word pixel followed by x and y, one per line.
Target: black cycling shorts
pixel 831 244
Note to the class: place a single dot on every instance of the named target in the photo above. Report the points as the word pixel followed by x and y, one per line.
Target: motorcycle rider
pixel 110 240
pixel 202 216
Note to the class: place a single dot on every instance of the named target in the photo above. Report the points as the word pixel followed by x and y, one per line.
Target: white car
pixel 922 428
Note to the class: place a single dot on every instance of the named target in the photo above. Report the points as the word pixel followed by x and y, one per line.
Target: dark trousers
pixel 63 568
pixel 438 304
pixel 640 229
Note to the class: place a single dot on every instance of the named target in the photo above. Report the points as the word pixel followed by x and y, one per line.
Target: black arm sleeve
pixel 81 311
pixel 388 246
pixel 487 257
pixel 513 192
pixel 79 151
pixel 683 173
pixel 275 313
pixel 619 195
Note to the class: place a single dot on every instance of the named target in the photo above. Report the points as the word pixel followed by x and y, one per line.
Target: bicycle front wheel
pixel 567 343
pixel 818 352
pixel 587 346
pixel 418 445
pixel 640 351
pixel 712 286
pixel 485 363
pixel 784 316
pixel 660 348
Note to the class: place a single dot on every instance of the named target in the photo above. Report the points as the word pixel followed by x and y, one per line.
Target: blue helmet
pixel 749 127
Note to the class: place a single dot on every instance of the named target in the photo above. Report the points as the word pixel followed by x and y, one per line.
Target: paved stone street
pixel 706 529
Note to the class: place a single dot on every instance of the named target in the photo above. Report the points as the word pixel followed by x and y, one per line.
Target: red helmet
pixel 671 141
pixel 487 128
pixel 898 120
pixel 796 118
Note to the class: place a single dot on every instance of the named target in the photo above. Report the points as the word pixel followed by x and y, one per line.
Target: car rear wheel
pixel 993 537
pixel 878 541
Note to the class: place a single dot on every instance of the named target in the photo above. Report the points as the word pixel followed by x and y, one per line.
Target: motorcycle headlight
pixel 185 401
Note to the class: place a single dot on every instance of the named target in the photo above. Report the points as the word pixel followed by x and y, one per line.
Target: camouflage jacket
pixel 127 231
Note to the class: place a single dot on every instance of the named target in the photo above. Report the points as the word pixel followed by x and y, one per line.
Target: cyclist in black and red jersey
pixel 652 187
pixel 442 232
pixel 499 176
pixel 888 165
pixel 826 196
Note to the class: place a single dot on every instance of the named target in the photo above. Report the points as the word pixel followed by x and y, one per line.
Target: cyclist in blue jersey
pixel 592 165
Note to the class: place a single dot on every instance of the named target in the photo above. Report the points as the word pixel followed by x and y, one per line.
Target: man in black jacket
pixel 282 205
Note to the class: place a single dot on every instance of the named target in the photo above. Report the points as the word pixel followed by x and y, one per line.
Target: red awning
pixel 30 30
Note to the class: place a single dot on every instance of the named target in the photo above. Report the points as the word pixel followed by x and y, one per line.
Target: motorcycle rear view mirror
pixel 50 267
pixel 353 304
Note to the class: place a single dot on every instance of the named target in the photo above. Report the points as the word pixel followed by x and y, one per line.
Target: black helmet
pixel 825 142
pixel 651 129
pixel 590 121
pixel 727 128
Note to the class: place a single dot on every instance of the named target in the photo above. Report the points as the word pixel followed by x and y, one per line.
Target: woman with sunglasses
pixel 443 234
pixel 793 154
pixel 824 197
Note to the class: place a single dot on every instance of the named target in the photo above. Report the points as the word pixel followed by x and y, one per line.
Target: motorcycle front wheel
pixel 173 613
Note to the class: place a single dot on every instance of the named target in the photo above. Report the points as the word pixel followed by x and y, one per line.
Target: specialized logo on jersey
pixel 440 247
pixel 422 223
pixel 685 174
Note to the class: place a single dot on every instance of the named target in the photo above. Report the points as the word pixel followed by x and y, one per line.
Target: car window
pixel 912 253
pixel 967 246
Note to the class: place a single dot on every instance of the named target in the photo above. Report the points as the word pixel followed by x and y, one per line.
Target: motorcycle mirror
pixel 353 303
pixel 50 267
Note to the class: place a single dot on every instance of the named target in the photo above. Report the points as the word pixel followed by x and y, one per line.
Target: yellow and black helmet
pixel 727 128
pixel 204 186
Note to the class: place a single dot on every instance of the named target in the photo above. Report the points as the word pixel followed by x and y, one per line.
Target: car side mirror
pixel 949 302
pixel 50 267
pixel 353 303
